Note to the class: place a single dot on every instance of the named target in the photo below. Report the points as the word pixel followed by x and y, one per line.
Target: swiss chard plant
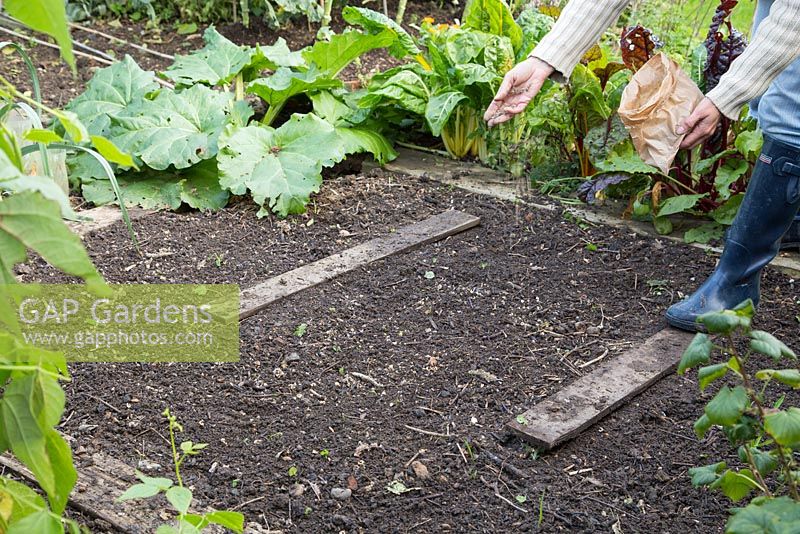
pixel 751 411
pixel 709 180
pixel 198 143
pixel 452 76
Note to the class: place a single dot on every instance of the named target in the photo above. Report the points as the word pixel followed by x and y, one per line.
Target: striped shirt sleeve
pixel 580 25
pixel 776 45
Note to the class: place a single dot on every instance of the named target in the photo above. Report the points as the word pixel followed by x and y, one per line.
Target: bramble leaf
pixel 736 485
pixel 768 345
pixel 707 375
pixel 727 406
pixel 702 426
pixel 697 353
pixel 779 515
pixel 784 426
pixel 790 377
pixel 707 474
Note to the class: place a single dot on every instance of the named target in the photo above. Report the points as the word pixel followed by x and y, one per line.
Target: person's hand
pixel 520 85
pixel 700 125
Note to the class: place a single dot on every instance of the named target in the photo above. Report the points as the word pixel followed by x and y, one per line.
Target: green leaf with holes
pixel 217 63
pixel 109 92
pixel 276 165
pixel 173 129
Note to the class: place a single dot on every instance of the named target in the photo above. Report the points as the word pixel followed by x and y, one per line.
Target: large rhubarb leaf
pixel 217 63
pixel 280 167
pixel 197 186
pixel 286 83
pixel 109 92
pixel 331 57
pixel 493 16
pixel 178 129
pixel 377 23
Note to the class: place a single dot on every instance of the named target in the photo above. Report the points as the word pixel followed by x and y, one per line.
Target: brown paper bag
pixel 659 96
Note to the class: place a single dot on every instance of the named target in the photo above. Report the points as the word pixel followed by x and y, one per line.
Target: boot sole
pixel 683 324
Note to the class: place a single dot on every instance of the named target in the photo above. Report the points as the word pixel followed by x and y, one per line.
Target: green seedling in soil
pixel 469 449
pixel 219 259
pixel 342 371
pixel 429 275
pixel 591 247
pixel 541 508
pixel 658 287
pixel 300 331
pixel 325 453
pixel 521 499
pixel 578 221
pixel 483 265
pixel 767 437
pixel 521 419
pixel 293 471
pixel 179 496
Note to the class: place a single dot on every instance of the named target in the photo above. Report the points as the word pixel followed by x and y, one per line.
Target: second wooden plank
pixel 256 298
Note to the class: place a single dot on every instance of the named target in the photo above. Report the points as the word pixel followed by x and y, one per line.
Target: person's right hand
pixel 520 85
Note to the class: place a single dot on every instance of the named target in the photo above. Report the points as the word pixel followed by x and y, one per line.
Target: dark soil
pixel 521 297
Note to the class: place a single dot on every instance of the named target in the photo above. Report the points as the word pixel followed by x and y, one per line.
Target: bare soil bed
pixel 521 299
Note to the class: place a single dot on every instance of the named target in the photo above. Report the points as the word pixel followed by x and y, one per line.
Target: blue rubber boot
pixel 791 239
pixel 769 208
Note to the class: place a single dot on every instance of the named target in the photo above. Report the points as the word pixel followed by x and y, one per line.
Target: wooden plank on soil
pixel 102 217
pixel 98 485
pixel 438 227
pixel 591 397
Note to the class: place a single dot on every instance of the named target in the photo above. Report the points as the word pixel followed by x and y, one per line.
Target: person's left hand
pixel 700 125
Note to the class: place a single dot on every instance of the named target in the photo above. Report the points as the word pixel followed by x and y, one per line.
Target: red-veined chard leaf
pixel 638 45
pixel 722 50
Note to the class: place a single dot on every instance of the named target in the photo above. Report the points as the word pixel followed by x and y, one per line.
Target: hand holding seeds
pixel 520 85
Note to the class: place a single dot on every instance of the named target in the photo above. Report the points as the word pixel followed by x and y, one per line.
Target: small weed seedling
pixel 750 413
pixel 179 496
pixel 300 331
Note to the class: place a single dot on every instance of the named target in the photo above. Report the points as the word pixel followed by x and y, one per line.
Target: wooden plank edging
pixel 435 228
pixel 591 397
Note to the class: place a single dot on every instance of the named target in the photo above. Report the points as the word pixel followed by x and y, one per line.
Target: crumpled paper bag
pixel 659 96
